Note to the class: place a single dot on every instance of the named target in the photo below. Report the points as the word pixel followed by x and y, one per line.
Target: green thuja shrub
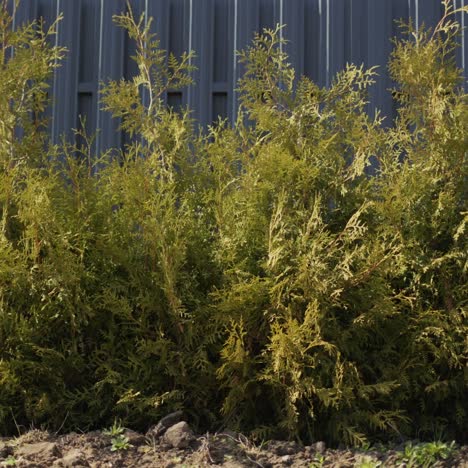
pixel 424 197
pixel 254 275
pixel 105 273
pixel 26 63
pixel 344 296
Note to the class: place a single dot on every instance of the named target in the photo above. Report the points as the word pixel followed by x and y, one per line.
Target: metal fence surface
pixel 323 36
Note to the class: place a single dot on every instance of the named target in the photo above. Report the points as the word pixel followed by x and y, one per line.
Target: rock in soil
pixel 164 424
pixel 179 435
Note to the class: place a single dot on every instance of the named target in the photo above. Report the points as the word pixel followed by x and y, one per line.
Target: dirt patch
pixel 177 446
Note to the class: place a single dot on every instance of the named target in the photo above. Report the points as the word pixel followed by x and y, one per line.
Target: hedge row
pixel 301 273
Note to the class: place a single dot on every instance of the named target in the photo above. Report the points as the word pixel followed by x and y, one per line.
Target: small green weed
pixel 115 430
pixel 9 461
pixel 369 463
pixel 120 442
pixel 426 454
pixel 318 461
pixel 366 446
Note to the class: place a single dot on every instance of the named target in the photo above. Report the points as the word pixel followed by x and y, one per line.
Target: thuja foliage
pixel 254 275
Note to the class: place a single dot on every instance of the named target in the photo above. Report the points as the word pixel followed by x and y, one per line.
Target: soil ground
pixel 39 449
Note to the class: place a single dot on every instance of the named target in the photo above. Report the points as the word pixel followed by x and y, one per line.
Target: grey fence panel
pixel 159 10
pixel 223 55
pixel 429 13
pixel 88 64
pixel 293 17
pixel 314 41
pixel 322 35
pixel 200 99
pixel 336 34
pixel 110 66
pixel 23 12
pixel 179 41
pixel 400 10
pixel 66 76
pixel 269 14
pixel 357 40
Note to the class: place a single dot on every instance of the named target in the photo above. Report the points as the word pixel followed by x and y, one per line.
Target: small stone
pixel 165 423
pixel 40 449
pixel 179 435
pixel 319 447
pixel 286 459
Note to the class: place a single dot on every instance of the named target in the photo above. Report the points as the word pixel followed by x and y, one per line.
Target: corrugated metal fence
pixel 323 35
